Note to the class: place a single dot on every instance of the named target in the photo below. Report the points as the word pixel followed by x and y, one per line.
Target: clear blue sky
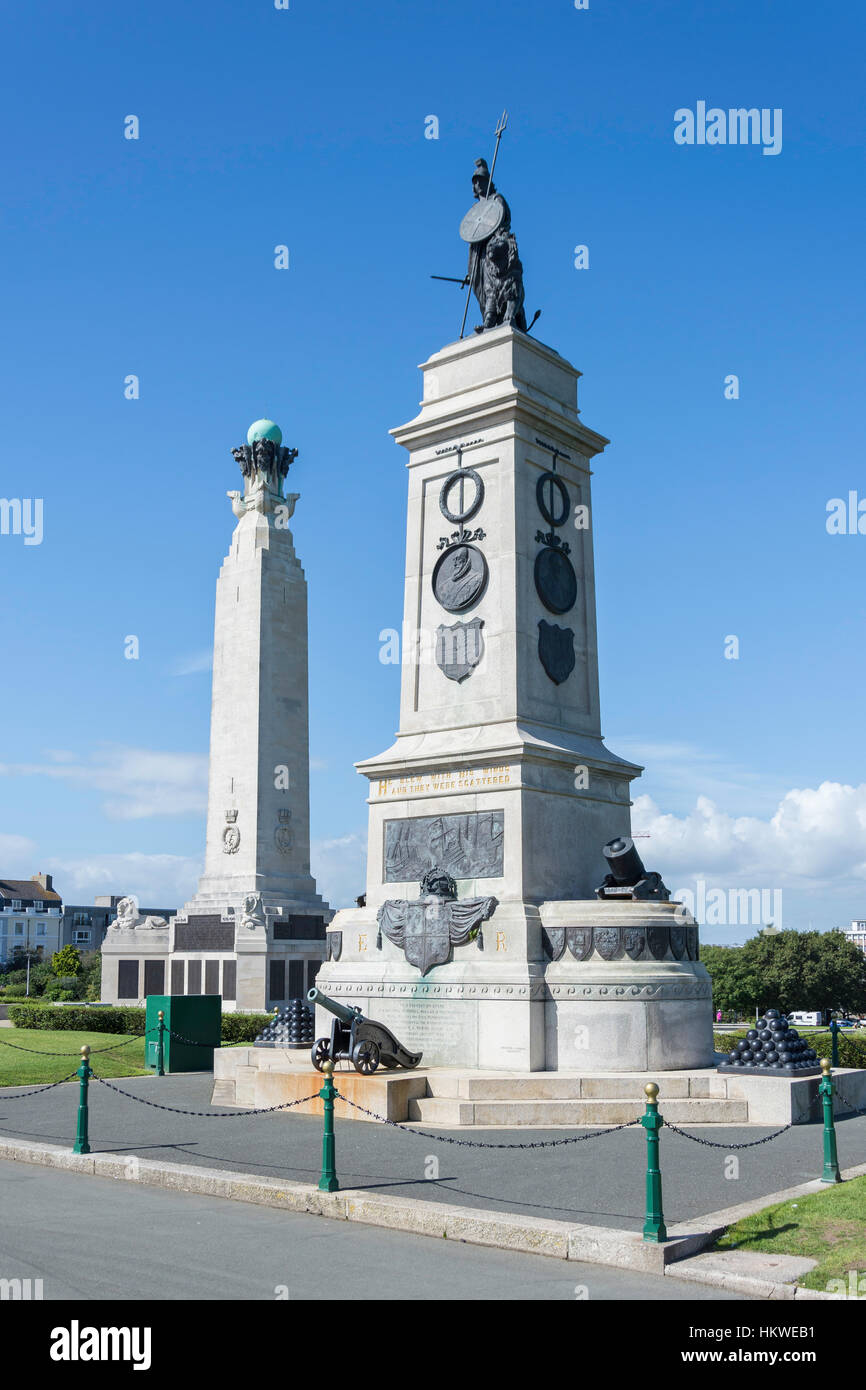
pixel 306 127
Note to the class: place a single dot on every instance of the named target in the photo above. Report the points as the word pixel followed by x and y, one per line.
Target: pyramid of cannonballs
pixel 771 1047
pixel 292 1026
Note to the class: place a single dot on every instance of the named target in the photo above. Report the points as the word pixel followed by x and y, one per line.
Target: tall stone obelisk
pixel 483 942
pixel 255 929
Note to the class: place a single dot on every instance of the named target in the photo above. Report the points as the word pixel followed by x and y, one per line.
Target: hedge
pixel 235 1027
pixel 852 1051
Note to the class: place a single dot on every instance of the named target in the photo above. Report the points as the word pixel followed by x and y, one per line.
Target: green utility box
pixel 196 1017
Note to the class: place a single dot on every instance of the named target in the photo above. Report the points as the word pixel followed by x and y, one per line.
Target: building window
pixel 81 938
pixel 41 928
pixel 19 928
pixel 16 904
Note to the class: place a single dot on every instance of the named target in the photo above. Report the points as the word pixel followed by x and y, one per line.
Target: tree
pixel 66 961
pixel 807 970
pixel 735 985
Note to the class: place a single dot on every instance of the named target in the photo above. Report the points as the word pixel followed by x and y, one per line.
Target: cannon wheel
pixel 321 1052
pixel 366 1056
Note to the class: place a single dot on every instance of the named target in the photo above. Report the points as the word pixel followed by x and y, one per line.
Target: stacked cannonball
pixel 293 1026
pixel 772 1045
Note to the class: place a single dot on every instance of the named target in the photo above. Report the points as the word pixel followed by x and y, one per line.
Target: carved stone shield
pixel 692 943
pixel 579 941
pixel 658 940
pixel 428 935
pixel 556 650
pixel 335 944
pixel 553 941
pixel 634 939
pixel 459 648
pixel 678 942
pixel 608 942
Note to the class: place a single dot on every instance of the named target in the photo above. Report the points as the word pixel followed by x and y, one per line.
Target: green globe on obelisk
pixel 264 429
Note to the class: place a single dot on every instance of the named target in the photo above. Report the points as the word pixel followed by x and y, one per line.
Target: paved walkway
pixel 599 1181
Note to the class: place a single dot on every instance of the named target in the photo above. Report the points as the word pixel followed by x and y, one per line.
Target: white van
pixel 814 1018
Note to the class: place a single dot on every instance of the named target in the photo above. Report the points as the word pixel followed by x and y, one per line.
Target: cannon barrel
pixel 341 1011
pixel 623 860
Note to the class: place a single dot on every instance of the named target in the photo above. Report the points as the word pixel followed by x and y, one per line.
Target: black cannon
pixel 627 877
pixel 358 1040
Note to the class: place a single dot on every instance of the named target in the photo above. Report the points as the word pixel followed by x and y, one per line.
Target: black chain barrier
pixel 714 1144
pixel 477 1143
pixel 202 1114
pixel 852 1109
pixel 23 1095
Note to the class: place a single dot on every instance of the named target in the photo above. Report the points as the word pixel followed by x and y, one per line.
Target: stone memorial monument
pixel 255 930
pixel 482 940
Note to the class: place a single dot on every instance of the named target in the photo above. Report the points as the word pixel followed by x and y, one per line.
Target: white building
pixel 857 933
pixel 31 918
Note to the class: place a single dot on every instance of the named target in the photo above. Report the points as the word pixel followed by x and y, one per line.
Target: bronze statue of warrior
pixel 495 271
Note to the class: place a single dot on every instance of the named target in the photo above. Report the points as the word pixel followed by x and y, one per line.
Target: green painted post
pixel 654 1226
pixel 831 1160
pixel 160 1045
pixel 328 1181
pixel 81 1145
pixel 834 1042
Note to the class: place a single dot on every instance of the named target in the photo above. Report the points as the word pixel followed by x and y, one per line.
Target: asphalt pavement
pixel 599 1180
pixel 91 1239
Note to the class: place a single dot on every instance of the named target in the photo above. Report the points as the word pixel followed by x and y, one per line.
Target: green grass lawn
pixel 25 1069
pixel 828 1226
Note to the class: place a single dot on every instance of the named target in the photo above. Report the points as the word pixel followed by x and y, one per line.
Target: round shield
pixel 555 580
pixel 460 577
pixel 482 220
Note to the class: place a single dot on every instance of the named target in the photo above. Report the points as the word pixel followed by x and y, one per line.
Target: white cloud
pixel 340 868
pixel 138 782
pixel 156 880
pixel 811 852
pixel 15 852
pixel 674 771
pixel 194 663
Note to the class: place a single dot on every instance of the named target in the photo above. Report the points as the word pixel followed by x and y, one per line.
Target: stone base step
pixel 707 1085
pixel 544 1114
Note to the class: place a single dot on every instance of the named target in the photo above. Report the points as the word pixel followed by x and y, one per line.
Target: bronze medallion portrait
pixel 460 578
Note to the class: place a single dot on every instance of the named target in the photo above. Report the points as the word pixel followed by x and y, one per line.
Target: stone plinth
pixel 455 1097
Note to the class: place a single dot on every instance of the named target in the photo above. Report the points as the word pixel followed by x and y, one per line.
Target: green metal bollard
pixel 328 1181
pixel 654 1226
pixel 834 1042
pixel 831 1161
pixel 160 1045
pixel 81 1145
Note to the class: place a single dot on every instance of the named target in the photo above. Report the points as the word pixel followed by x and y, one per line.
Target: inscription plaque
pixel 127 979
pixel 204 934
pixel 154 977
pixel 465 846
pixel 300 927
